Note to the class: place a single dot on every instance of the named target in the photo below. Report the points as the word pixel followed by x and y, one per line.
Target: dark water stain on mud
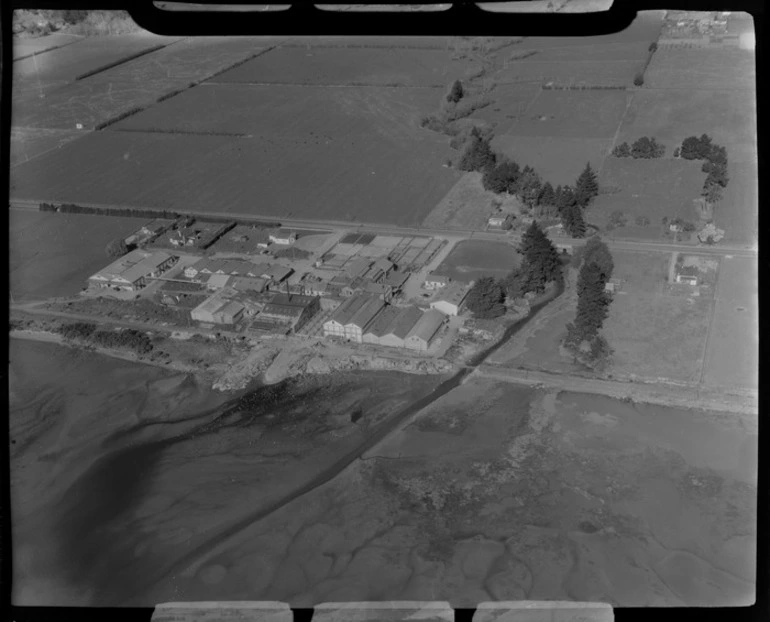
pixel 96 536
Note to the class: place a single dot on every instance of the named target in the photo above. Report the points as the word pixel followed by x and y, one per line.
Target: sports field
pixel 137 83
pixel 651 188
pixel 358 179
pixel 732 356
pixel 558 160
pixel 314 115
pixel 52 255
pixel 701 68
pixel 363 66
pixel 470 260
pixel 573 114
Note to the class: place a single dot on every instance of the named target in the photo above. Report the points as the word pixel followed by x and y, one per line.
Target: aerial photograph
pixel 336 319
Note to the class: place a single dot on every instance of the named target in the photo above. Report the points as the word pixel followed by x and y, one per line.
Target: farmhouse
pixel 688 274
pixel 424 332
pixel 450 299
pixel 500 222
pixel 217 309
pixel 130 272
pixel 400 327
pixel 292 309
pixel 283 236
pixel 436 281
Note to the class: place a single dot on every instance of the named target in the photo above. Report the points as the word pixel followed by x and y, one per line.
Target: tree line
pixel 714 165
pixel 540 266
pixel 644 148
pixel 501 174
pixel 583 337
pixel 87 334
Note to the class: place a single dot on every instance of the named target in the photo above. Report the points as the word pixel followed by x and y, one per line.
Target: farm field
pixel 510 102
pixel 25 47
pixel 466 206
pixel 671 115
pixel 558 160
pixel 651 188
pixel 69 63
pixel 738 211
pixel 470 260
pixel 27 143
pixel 610 72
pixel 584 51
pixel 416 42
pixel 701 68
pixel 573 114
pixel 387 67
pixel 356 179
pixel 303 115
pixel 52 255
pixel 732 356
pixel 138 83
pixel 657 330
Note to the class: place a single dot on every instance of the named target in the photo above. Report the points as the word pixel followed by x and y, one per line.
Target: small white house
pixel 450 299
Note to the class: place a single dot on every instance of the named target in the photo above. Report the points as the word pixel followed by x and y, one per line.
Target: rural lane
pixel 334 225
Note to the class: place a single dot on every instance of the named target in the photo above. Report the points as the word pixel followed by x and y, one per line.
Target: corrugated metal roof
pixel 404 322
pixel 382 322
pixel 427 325
pixel 347 309
pixel 366 313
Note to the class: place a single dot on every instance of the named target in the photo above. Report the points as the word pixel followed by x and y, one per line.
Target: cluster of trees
pixel 644 148
pixel 86 333
pixel 540 265
pixel 583 337
pixel 715 165
pixel 503 175
pixel 458 103
pixel 116 248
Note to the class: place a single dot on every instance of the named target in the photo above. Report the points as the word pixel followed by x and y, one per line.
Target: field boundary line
pixel 617 131
pixel 51 49
pixel 340 86
pixel 122 61
pixel 704 357
pixel 539 92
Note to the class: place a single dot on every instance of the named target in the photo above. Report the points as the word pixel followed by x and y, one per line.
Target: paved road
pixel 334 225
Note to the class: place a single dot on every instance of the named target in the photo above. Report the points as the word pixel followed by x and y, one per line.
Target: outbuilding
pixel 450 299
pixel 424 332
